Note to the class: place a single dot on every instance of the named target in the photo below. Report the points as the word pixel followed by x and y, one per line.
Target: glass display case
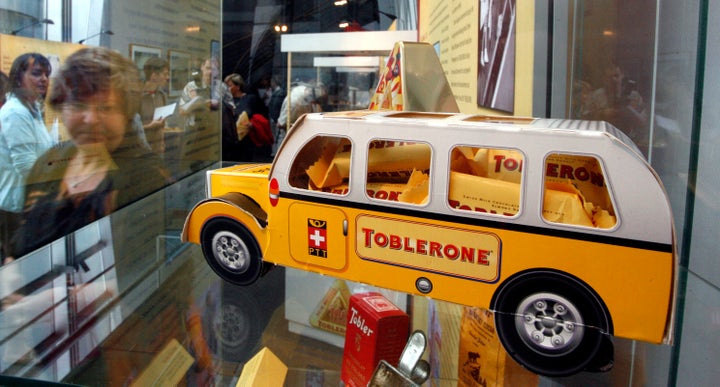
pixel 121 300
pixel 336 71
pixel 111 302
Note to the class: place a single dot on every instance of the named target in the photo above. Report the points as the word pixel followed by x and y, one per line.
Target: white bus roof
pixel 518 123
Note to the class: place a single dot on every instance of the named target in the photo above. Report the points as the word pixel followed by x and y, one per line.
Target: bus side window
pixel 576 192
pixel 323 164
pixel 485 180
pixel 398 171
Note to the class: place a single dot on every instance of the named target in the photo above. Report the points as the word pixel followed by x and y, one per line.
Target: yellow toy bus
pixel 560 227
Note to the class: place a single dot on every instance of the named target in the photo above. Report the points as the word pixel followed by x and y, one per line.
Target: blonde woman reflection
pixel 104 165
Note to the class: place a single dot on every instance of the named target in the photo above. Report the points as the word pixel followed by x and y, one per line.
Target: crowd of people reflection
pixel 97 136
pixel 102 165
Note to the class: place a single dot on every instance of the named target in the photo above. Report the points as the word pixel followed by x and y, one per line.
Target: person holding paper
pixel 157 75
pixel 206 86
pixel 247 104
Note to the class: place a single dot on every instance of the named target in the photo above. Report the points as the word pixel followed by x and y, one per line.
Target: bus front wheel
pixel 550 323
pixel 231 251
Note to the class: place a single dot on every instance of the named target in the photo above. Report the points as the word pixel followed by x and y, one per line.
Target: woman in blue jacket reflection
pixel 23 136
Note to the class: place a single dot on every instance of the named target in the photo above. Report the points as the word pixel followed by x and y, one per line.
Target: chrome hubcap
pixel 549 324
pixel 230 251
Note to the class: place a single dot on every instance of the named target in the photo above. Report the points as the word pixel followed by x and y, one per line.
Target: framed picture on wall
pixel 179 71
pixel 139 54
pixel 496 55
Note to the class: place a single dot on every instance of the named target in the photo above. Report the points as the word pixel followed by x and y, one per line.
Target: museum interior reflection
pixel 61 302
pixel 102 305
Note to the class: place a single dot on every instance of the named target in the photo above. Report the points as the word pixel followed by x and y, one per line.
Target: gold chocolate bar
pixel 388 164
pixel 482 194
pixel 416 190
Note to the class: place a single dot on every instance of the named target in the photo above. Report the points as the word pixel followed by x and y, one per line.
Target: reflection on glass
pixel 23 138
pixel 54 294
pixel 103 165
pixel 613 67
pixel 106 142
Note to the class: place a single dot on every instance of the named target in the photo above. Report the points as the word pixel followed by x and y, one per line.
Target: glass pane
pixel 108 116
pixel 107 104
pixel 613 65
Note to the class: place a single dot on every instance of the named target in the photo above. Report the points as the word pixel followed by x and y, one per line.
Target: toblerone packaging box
pixel 376 330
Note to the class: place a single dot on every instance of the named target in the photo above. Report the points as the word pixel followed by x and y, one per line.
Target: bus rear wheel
pixel 550 323
pixel 231 251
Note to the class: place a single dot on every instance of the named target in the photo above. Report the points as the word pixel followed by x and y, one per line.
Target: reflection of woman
pixel 103 166
pixel 23 135
pixel 4 81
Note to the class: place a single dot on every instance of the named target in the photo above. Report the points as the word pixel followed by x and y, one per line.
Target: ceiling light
pixel 41 21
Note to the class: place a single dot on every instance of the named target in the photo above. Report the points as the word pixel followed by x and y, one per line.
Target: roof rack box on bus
pixel 413 79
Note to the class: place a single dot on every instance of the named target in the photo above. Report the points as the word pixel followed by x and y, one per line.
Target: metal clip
pixel 412 370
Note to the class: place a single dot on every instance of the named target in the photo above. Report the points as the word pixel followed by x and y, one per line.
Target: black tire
pixel 550 323
pixel 237 325
pixel 231 251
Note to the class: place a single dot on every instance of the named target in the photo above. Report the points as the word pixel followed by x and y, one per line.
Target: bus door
pixel 318 232
pixel 318 235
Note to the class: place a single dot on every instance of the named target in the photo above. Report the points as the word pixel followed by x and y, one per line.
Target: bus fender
pixel 233 204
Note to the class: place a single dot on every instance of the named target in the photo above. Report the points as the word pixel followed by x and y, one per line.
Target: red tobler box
pixel 376 330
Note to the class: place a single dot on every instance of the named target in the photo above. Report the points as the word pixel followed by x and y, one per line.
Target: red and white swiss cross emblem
pixel 317 237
